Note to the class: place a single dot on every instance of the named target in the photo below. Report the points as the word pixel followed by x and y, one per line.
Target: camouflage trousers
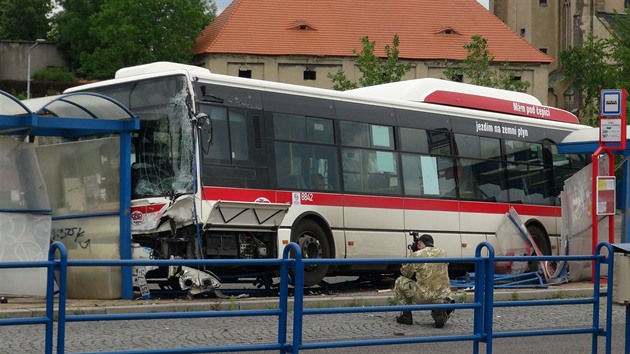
pixel 406 292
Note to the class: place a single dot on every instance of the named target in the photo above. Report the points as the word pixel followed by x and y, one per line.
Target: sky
pixel 222 4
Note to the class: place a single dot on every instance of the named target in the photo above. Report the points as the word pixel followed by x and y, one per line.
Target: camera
pixel 414 246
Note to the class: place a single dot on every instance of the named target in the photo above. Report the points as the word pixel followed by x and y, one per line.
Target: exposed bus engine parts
pixel 196 281
pixel 229 230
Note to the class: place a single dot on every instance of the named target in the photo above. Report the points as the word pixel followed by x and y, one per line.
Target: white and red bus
pixel 228 167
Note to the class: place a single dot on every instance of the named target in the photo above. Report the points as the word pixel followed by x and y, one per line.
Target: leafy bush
pixel 54 73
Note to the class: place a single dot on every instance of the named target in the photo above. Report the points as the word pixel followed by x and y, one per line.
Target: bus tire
pixel 540 238
pixel 312 240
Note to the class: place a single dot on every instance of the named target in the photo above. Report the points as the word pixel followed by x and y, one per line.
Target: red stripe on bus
pixel 364 201
pixel 147 209
pixel 238 194
pixel 310 198
pixel 483 207
pixel 432 204
pixel 540 210
pixel 459 99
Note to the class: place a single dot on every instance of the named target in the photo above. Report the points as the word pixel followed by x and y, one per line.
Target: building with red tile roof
pixel 301 41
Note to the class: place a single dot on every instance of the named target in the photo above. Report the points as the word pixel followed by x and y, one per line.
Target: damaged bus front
pixel 170 218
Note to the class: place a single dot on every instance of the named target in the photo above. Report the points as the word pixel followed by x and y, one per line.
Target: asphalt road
pixel 162 334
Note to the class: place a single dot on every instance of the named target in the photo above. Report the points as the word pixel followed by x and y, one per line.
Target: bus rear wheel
pixel 540 238
pixel 312 240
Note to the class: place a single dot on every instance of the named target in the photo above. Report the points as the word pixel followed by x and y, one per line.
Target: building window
pixel 566 25
pixel 245 73
pixel 542 2
pixel 544 50
pixel 517 78
pixel 310 74
pixel 522 32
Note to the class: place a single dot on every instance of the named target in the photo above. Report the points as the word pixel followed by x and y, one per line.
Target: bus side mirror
pixel 202 119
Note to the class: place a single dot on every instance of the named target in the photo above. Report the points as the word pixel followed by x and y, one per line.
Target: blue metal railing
pixel 482 305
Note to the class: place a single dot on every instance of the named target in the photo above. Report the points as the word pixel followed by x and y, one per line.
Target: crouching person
pixel 424 283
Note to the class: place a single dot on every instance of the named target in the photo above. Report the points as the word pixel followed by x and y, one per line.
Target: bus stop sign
pixel 611 101
pixel 612 131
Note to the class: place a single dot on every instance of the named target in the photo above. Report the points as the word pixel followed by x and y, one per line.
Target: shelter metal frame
pixel 76 115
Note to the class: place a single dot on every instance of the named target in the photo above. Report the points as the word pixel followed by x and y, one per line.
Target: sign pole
pixel 612 136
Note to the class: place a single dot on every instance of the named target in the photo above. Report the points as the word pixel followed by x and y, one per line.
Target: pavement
pixel 171 333
pixel 22 306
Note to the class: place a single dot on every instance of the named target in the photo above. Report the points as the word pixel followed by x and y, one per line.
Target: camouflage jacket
pixel 432 283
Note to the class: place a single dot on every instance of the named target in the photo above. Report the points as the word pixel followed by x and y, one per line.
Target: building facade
pixel 14 58
pixel 555 25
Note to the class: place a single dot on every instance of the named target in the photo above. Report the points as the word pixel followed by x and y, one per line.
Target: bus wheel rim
pixel 311 248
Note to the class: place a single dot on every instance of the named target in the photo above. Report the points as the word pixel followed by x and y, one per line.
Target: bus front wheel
pixel 312 240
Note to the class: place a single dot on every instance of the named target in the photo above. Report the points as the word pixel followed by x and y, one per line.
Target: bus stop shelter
pixel 586 141
pixel 78 116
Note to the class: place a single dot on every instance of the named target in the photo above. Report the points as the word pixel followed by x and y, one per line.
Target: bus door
pixel 373 207
pixel 432 178
pixel 430 186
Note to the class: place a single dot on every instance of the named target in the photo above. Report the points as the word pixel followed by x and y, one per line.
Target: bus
pixel 227 167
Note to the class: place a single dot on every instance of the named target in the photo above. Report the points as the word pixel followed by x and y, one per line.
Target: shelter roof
pixel 584 141
pixel 72 114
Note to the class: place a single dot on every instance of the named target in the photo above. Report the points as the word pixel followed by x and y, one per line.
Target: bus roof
pixel 426 90
pixel 419 89
pixel 161 67
pixel 463 95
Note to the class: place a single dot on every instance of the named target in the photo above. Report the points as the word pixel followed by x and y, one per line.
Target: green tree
pixel 589 69
pixel 120 33
pixel 24 19
pixel 374 70
pixel 55 73
pixel 210 9
pixel 71 29
pixel 477 68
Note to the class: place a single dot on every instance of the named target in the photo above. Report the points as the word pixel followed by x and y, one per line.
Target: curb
pixel 324 301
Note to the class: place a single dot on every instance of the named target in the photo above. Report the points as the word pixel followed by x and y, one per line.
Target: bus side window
pixel 239 137
pixel 217 146
pixel 352 165
pixel 354 134
pixel 412 174
pixel 292 181
pixel 428 176
pixel 306 166
pixel 467 179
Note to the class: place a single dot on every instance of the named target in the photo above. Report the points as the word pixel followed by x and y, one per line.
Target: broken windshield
pixel 162 148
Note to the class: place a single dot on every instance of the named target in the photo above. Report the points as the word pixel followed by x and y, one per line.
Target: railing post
pixel 478 298
pixel 285 267
pixel 298 300
pixel 484 292
pixel 50 297
pixel 609 297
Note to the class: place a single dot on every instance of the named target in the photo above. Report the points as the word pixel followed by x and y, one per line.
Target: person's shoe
pixel 405 318
pixel 440 318
pixel 449 311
